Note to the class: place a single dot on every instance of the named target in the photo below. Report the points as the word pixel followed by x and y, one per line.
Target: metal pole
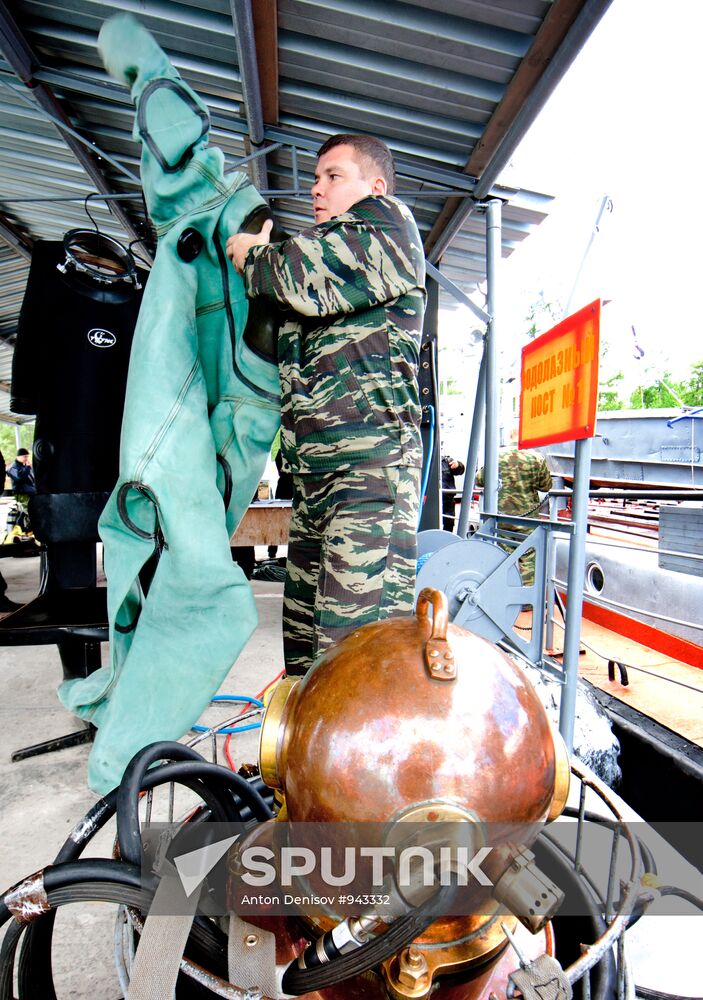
pixel 574 588
pixel 477 420
pixel 456 293
pixel 606 203
pixel 251 88
pixel 551 573
pixel 493 256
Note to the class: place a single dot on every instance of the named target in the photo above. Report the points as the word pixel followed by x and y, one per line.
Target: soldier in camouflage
pixel 522 475
pixel 352 288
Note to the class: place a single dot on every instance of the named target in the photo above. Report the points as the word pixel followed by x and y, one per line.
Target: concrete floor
pixel 42 798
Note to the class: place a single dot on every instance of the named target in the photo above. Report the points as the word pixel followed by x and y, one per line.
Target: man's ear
pixel 379 186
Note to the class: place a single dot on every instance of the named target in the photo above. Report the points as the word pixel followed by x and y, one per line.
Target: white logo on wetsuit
pixel 101 338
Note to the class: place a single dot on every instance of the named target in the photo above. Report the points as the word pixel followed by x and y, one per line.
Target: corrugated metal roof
pixel 446 87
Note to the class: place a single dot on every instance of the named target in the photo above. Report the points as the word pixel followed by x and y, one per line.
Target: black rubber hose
pixel 104 809
pixel 35 974
pixel 207 944
pixel 128 828
pixel 264 791
pixel 206 938
pixel 242 799
pixel 297 981
pixel 80 881
pixel 90 870
pixel 212 775
pixel 238 790
pixel 35 959
pixel 127 804
pixel 10 941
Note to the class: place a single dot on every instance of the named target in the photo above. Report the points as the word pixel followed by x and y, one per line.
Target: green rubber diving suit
pixel 201 411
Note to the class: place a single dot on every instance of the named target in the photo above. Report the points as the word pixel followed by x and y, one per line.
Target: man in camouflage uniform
pixel 522 475
pixel 352 288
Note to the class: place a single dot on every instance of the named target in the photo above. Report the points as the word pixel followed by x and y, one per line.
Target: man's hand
pixel 238 246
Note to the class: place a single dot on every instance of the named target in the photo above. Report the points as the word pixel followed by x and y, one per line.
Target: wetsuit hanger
pixel 99 258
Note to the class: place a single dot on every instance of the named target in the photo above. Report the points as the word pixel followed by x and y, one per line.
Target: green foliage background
pixel 656 394
pixel 7 440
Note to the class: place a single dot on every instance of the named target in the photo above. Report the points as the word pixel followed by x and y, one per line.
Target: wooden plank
pixel 264 524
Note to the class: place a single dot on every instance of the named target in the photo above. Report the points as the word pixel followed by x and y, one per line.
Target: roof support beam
pixel 25 63
pixel 557 43
pixel 265 15
pixel 243 21
pixel 10 418
pixel 15 239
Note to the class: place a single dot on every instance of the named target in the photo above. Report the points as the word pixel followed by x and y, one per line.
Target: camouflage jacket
pixel 521 474
pixel 353 291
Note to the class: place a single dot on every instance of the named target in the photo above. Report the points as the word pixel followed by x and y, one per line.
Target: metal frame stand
pixel 495 586
pixel 75 739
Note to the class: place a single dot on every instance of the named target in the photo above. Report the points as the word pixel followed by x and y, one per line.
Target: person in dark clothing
pixel 6 605
pixel 22 476
pixel 450 468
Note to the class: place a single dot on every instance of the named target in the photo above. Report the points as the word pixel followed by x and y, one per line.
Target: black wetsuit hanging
pixel 70 369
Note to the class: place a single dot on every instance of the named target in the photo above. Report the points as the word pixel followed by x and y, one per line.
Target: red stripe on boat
pixel 670 645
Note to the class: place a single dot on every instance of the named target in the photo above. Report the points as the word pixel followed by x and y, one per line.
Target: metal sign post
pixel 558 402
pixel 574 587
pixel 493 251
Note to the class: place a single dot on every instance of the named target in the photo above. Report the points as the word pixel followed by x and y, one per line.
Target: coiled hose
pixel 226 797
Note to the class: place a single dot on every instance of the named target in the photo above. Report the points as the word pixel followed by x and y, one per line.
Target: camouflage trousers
pixel 526 563
pixel 351 556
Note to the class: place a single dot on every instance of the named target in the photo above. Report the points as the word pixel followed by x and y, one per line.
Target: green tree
pixel 658 395
pixel 692 389
pixel 608 394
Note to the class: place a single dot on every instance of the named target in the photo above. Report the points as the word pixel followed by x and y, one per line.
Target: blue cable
pixel 232 729
pixel 426 473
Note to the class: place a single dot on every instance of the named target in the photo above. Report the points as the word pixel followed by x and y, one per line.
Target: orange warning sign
pixel 559 381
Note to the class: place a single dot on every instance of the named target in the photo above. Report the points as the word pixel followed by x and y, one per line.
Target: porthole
pixel 595 578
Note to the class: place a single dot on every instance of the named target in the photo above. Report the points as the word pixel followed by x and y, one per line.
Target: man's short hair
pixel 22 451
pixel 372 152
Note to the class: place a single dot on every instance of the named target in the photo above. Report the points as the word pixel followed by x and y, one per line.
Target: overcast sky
pixel 625 121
